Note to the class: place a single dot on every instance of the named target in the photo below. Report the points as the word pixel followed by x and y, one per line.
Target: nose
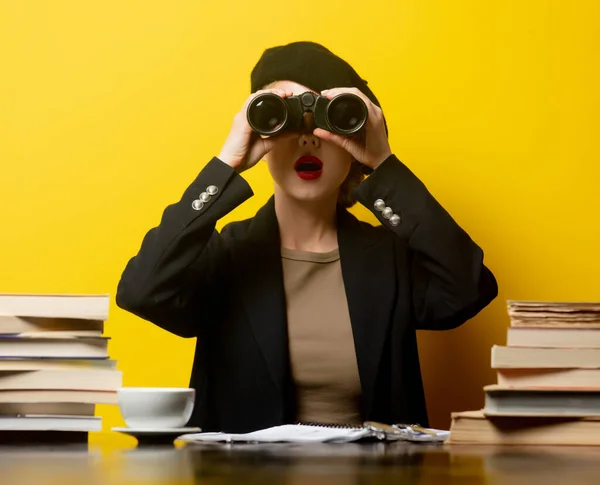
pixel 307 139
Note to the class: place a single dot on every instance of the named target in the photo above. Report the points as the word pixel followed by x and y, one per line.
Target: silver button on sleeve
pixel 387 213
pixel 395 220
pixel 212 189
pixel 197 205
pixel 379 205
pixel 205 197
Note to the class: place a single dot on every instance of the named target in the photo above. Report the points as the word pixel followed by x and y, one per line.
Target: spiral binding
pixel 331 425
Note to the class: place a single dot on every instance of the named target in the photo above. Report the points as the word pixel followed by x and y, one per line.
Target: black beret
pixel 309 64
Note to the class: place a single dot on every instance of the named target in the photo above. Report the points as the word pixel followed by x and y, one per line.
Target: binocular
pixel 269 114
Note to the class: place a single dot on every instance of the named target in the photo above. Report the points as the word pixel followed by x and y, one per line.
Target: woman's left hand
pixel 371 147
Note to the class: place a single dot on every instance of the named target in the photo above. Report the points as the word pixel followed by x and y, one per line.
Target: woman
pixel 304 313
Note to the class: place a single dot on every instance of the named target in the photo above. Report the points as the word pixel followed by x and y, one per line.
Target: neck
pixel 306 225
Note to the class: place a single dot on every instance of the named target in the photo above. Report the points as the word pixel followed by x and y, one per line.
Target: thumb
pixel 262 146
pixel 350 145
pixel 269 143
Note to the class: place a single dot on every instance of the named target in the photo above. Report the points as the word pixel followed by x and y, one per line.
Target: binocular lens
pixel 347 113
pixel 267 113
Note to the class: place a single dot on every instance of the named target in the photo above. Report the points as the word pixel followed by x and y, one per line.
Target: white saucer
pixel 155 431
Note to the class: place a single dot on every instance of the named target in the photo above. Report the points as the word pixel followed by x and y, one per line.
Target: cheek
pixel 340 162
pixel 276 159
pixel 279 155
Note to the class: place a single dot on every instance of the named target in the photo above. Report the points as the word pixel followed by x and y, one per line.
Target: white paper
pixel 292 433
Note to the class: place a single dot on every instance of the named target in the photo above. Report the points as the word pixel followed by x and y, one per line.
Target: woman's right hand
pixel 244 148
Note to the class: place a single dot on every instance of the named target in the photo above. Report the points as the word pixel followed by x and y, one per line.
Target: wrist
pixel 380 159
pixel 228 160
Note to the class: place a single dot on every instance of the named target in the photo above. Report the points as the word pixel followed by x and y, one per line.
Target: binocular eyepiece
pixel 269 114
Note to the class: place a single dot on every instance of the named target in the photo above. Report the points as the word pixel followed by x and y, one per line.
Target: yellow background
pixel 109 109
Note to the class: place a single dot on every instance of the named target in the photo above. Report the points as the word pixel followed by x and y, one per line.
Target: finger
pixel 284 137
pixel 284 93
pixel 279 91
pixel 331 93
pixel 260 148
pixel 265 145
pixel 352 146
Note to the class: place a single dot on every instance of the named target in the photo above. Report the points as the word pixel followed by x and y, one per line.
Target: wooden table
pixel 348 464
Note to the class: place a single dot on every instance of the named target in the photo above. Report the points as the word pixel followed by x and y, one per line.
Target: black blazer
pixel 226 289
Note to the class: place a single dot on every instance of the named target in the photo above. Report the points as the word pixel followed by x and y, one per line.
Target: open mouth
pixel 309 167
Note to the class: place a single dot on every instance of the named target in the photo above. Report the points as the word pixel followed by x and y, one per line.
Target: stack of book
pixel 54 364
pixel 548 380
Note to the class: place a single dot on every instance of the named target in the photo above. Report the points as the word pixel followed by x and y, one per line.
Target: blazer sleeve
pixel 450 283
pixel 176 276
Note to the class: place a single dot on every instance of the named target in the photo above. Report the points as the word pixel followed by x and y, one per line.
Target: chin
pixel 309 197
pixel 309 193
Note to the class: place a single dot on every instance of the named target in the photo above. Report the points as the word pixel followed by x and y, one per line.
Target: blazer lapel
pixel 262 292
pixel 370 283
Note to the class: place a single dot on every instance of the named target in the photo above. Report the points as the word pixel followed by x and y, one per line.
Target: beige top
pixel 320 337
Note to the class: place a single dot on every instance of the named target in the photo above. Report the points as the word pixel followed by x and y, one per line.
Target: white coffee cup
pixel 156 407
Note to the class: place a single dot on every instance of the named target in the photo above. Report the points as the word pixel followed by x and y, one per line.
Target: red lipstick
pixel 309 167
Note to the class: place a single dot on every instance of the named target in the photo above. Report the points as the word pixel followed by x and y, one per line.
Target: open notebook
pixel 316 433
